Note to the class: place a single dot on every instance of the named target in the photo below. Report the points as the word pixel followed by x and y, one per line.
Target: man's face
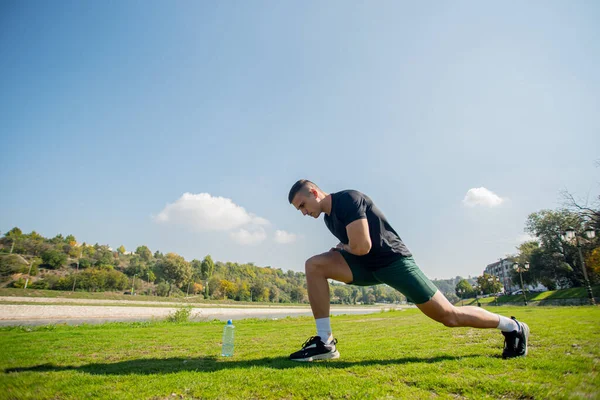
pixel 307 203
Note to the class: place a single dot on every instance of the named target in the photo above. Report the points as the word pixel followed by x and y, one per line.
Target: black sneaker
pixel 515 343
pixel 315 349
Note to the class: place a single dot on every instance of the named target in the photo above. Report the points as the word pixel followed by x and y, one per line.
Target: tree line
pixel 61 263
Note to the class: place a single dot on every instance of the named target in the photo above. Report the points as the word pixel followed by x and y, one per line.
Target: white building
pixel 502 269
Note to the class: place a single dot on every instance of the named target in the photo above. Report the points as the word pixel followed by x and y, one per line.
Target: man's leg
pixel 405 276
pixel 516 334
pixel 440 309
pixel 319 268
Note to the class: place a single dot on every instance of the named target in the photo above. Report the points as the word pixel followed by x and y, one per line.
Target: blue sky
pixel 182 125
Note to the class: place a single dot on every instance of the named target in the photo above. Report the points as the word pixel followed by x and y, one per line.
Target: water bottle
pixel 227 349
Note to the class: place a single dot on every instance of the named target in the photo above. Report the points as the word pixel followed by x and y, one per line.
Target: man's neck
pixel 326 204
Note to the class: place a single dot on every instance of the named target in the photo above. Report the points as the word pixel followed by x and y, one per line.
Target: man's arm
pixel 359 240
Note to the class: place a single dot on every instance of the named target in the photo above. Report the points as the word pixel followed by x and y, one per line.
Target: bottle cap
pixel 229 322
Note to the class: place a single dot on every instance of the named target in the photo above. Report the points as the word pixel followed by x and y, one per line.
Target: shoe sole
pixel 526 334
pixel 326 356
pixel 525 329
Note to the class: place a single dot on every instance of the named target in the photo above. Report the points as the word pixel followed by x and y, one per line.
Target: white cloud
pixel 249 238
pixel 204 212
pixel 482 197
pixel 284 237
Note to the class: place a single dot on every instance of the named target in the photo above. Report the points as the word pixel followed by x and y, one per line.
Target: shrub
pixel 162 289
pixel 54 259
pixel 11 264
pixel 19 283
pixel 181 315
pixel 41 284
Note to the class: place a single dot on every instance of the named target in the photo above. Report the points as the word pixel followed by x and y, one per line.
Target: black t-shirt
pixel 349 205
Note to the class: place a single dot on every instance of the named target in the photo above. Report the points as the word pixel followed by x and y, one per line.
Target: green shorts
pixel 404 275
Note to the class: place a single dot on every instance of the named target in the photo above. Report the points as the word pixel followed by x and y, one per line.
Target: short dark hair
pixel 302 184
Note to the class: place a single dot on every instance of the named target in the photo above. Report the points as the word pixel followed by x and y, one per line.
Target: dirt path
pixel 40 314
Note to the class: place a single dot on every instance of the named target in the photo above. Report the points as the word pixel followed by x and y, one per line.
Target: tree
pixel 298 295
pixel 104 256
pixel 589 213
pixel 14 232
pixel 207 267
pixel 343 293
pixel 54 259
pixel 257 290
pixel 489 284
pixel 175 269
pixel 227 289
pixel 144 252
pixel 136 266
pixel 121 250
pixel 465 287
pixel 553 262
pixel 593 261
pixel 274 294
pixel 243 291
pixel 548 225
pixel 57 239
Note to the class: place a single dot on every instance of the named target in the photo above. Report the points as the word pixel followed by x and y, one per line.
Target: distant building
pixel 501 269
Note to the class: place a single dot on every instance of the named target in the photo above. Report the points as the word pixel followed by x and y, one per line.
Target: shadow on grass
pixel 210 364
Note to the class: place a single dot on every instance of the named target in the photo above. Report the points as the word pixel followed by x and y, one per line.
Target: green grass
pixel 572 293
pixel 397 354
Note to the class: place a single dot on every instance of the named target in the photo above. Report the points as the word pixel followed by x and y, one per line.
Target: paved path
pixel 38 314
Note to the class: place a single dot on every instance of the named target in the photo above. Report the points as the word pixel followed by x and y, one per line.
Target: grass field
pixel 396 354
pixel 572 293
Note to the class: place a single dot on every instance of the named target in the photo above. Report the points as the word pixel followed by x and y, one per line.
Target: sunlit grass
pixel 398 354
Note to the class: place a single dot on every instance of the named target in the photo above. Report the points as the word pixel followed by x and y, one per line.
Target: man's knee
pixel 311 266
pixel 450 319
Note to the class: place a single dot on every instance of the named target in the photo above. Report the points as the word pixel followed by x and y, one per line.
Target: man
pixel 370 252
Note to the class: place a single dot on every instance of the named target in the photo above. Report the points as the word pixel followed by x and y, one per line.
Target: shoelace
pixel 308 341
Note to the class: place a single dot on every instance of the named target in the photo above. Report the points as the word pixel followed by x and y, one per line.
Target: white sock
pixel 324 329
pixel 507 324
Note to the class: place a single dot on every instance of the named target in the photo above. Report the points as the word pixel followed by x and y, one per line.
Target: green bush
pixel 54 259
pixel 41 284
pixel 98 280
pixel 162 289
pixel 19 283
pixel 181 315
pixel 11 264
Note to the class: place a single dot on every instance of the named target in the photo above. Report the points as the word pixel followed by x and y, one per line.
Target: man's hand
pixel 340 246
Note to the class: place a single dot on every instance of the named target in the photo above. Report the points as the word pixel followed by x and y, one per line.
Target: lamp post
pixel 460 293
pixel 77 270
pixel 568 236
pixel 28 274
pixel 520 269
pixel 477 291
pixel 492 280
pixel 133 283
